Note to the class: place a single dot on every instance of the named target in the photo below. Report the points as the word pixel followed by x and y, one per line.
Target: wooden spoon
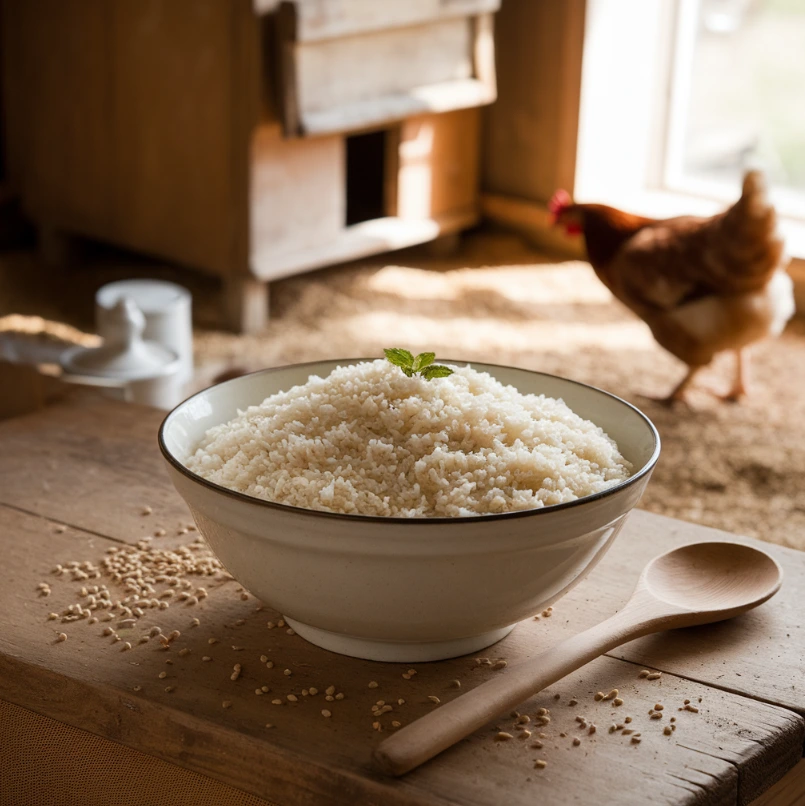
pixel 691 585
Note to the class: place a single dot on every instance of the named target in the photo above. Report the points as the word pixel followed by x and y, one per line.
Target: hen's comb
pixel 559 201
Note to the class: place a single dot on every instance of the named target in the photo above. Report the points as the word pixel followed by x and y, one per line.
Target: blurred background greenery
pixel 745 103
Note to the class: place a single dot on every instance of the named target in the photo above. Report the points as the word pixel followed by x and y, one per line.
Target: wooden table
pixel 93 466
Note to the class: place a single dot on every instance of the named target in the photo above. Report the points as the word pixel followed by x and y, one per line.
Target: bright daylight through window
pixel 736 98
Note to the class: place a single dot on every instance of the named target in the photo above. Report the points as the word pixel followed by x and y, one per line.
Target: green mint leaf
pixel 399 357
pixel 435 371
pixel 422 361
pixel 422 364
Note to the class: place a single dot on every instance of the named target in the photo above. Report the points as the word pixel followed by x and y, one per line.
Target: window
pixel 738 98
pixel 679 97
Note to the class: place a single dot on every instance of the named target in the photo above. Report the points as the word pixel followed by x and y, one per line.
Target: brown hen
pixel 703 285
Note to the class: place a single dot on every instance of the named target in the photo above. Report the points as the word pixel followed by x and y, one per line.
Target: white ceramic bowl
pixel 405 589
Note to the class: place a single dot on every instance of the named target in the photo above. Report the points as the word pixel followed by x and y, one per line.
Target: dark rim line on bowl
pixel 458 519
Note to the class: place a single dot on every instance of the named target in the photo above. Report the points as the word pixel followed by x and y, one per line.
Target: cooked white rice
pixel 368 440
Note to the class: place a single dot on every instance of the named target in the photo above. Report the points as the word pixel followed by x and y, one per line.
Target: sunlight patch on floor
pixel 492 333
pixel 36 340
pixel 564 283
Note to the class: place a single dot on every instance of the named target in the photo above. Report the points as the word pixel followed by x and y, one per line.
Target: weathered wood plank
pixel 92 463
pixel 174 178
pixel 438 170
pixel 383 63
pixel 361 240
pixel 351 17
pixel 425 56
pixel 58 146
pixel 726 754
pixel 130 122
pixel 284 64
pixel 483 51
pixel 531 132
pixel 23 389
pixel 445 96
pixel 789 791
pixel 297 193
pixel 384 76
pixel 245 304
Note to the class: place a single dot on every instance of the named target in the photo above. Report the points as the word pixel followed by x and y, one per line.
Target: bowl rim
pixel 462 520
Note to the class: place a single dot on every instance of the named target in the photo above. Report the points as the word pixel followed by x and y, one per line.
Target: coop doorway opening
pixel 366 176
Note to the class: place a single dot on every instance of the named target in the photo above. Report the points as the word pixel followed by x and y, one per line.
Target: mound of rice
pixel 368 440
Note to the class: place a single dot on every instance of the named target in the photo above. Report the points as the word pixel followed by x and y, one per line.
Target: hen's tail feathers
pixel 753 247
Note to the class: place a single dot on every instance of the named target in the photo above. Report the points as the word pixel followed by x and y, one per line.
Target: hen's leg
pixel 678 393
pixel 740 380
pixel 739 384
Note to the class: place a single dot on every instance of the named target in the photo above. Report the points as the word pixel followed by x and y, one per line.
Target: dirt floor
pixel 739 467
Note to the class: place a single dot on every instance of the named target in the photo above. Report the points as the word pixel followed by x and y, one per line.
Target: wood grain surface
pixel 786 792
pixel 90 466
pixel 130 122
pixel 311 210
pixel 437 166
pixel 384 63
pixel 388 67
pixel 95 465
pixel 318 21
pixel 531 131
pixel 47 145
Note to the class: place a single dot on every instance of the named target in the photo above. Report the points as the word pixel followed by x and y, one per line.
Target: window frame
pixel 632 122
pixel 790 203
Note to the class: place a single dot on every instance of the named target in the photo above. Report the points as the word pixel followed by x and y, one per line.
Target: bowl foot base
pixel 396 652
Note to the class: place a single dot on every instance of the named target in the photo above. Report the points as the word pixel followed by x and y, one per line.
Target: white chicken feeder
pixel 128 366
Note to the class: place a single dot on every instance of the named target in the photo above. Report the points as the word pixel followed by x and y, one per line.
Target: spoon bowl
pixel 692 585
pixel 718 580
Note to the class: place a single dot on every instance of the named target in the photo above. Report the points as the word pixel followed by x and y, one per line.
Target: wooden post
pixel 245 304
pixel 285 66
pixel 445 246
pixel 23 390
pixel 530 133
pixel 57 248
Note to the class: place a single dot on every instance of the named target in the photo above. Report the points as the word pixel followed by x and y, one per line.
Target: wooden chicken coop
pixel 247 138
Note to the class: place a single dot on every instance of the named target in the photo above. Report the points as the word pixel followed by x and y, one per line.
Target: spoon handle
pixel 448 724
